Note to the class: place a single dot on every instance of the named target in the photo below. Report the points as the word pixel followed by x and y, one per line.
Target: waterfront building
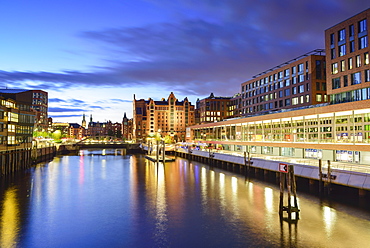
pixel 212 109
pixel 309 126
pixel 76 131
pixel 295 83
pixel 165 117
pixel 38 99
pixel 348 69
pixel 126 128
pixel 17 123
pixel 235 106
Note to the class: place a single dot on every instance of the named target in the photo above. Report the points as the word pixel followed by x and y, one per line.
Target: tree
pixel 57 135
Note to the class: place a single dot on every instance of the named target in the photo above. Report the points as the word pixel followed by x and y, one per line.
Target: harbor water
pixel 103 198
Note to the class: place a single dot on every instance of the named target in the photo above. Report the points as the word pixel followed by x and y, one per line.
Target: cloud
pixel 211 47
pixel 59 109
pixel 64 116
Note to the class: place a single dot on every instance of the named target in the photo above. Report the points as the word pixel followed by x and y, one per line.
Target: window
pixel 295 101
pixel 331 39
pixel 318 97
pixel 300 68
pixel 345 81
pixel 300 78
pixel 342 50
pixel 332 52
pixel 294 70
pixel 287 82
pixel 334 68
pixel 351 30
pixel 362 42
pixel 350 63
pixel 307 98
pixel 366 58
pixel 358 61
pixel 351 46
pixel 287 102
pixel 356 78
pixel 367 75
pixel 280 93
pixel 335 83
pixel 362 26
pixel 287 92
pixel 323 86
pixel 341 34
pixel 286 73
pixel 301 89
pixel 317 85
pixel 280 74
pixel 294 90
pixel 294 80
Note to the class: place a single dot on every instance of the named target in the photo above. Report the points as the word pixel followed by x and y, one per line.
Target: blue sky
pixel 92 56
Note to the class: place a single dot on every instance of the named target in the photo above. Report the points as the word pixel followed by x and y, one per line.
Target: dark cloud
pixel 215 48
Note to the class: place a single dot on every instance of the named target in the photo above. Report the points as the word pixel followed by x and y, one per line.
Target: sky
pixel 93 56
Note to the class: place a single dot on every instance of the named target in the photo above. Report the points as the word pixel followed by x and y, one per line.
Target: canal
pixel 101 198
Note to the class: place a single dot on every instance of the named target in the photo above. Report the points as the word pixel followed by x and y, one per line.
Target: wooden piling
pixel 288 179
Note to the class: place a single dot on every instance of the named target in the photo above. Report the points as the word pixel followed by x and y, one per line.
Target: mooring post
pixel 282 188
pixel 157 151
pixel 320 176
pixel 287 177
pixel 163 151
pixel 329 178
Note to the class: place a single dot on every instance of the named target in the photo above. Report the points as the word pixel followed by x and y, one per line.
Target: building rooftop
pixel 313 52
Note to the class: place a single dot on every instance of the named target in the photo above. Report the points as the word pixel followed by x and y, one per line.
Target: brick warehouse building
pixel 167 117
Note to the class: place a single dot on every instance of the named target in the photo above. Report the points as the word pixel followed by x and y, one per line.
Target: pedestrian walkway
pixel 306 161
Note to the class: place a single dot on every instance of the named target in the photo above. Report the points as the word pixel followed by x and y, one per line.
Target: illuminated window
pixel 342 50
pixel 358 61
pixel 342 65
pixel 334 68
pixel 350 63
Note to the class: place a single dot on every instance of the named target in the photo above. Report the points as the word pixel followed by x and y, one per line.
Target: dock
pixel 160 159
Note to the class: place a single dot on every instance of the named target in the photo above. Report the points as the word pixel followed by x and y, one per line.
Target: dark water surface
pixel 97 200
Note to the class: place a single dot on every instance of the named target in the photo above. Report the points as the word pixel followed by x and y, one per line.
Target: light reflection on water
pixel 96 200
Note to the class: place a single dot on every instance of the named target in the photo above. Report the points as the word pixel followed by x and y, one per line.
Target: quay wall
pixel 15 160
pixel 356 180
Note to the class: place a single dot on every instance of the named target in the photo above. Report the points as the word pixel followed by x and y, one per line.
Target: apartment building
pixel 295 83
pixel 16 124
pixel 165 117
pixel 348 70
pixel 38 99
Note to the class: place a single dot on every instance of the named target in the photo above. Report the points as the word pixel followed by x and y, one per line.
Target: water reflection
pixel 91 200
pixel 10 222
